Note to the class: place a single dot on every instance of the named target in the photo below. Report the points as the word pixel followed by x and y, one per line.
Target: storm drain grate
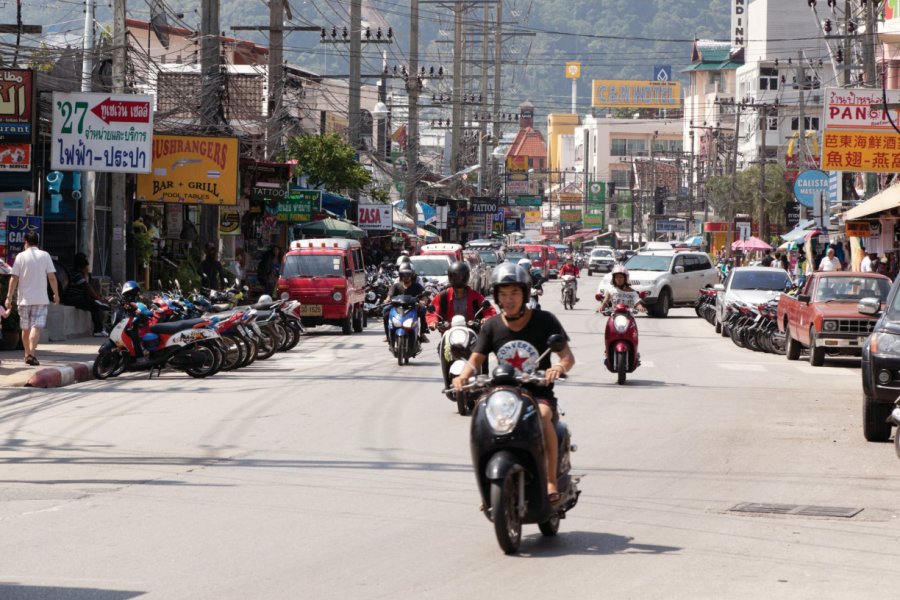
pixel 796 509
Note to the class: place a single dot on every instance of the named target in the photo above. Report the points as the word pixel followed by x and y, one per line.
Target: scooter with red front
pixel 621 340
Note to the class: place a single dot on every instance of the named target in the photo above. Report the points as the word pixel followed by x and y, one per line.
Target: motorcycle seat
pixel 216 308
pixel 265 305
pixel 176 326
pixel 262 315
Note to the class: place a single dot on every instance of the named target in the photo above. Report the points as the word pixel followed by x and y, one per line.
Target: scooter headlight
pixel 503 410
pixel 396 321
pixel 620 322
pixel 458 337
pixel 408 323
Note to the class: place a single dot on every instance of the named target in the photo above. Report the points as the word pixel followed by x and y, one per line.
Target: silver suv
pixel 672 279
pixel 602 260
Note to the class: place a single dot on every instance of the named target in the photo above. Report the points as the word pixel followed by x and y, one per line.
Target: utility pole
pixel 761 203
pixel 801 84
pixel 498 62
pixel 848 60
pixel 210 65
pixel 482 106
pixel 89 178
pixel 729 226
pixel 869 57
pixel 276 76
pixel 355 74
pixel 412 125
pixel 118 202
pixel 457 113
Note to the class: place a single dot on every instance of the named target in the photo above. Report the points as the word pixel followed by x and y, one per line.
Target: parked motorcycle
pixel 620 340
pixel 507 446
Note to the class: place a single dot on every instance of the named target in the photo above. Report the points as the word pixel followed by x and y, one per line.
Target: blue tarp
pixel 798 232
pixel 427 214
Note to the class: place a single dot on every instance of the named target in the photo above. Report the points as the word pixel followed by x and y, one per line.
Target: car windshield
pixel 851 289
pixel 601 253
pixel 534 255
pixel 312 265
pixel 489 257
pixel 774 279
pixel 430 267
pixel 648 262
pixel 514 257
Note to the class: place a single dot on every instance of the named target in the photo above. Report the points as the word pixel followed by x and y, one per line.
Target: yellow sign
pixel 857 228
pixel 533 216
pixel 229 222
pixel 191 170
pixel 570 198
pixel 874 151
pixel 573 70
pixel 636 94
pixel 517 164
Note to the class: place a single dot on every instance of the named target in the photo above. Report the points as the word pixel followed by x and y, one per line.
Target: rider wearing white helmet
pixel 619 289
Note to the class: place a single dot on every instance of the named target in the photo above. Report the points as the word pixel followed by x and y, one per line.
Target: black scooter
pixel 507 445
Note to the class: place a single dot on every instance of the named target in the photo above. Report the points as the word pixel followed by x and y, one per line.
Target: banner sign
pixel 374 217
pixel 670 226
pixel 570 216
pixel 15 157
pixel 594 220
pixel 298 206
pixel 570 198
pixel 268 192
pixel 860 109
pixel 524 200
pixel 229 222
pixel 809 185
pixel 624 204
pixel 533 216
pixel 859 228
pixel 636 94
pixel 16 228
pixel 101 132
pixel 596 192
pixel 877 151
pixel 483 205
pixel 16 105
pixel 517 164
pixel 192 170
pixel 516 184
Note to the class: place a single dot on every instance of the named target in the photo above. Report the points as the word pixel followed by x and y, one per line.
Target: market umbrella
pixel 330 228
pixel 751 244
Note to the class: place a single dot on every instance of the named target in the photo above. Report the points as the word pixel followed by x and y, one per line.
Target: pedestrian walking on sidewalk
pixel 31 271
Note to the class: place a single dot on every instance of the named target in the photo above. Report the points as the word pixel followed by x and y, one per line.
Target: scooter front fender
pixel 500 465
pixel 621 346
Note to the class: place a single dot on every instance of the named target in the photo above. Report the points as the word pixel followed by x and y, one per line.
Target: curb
pixel 60 376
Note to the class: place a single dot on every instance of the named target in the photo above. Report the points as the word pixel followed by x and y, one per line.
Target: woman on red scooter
pixel 620 292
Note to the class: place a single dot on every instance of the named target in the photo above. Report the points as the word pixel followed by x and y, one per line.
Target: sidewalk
pixel 62 363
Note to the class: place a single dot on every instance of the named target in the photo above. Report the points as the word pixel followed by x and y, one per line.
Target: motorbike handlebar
pixel 485 381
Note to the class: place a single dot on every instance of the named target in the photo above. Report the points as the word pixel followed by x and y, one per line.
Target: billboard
pixel 109 133
pixel 596 192
pixel 298 206
pixel 16 105
pixel 858 133
pixel 571 216
pixel 192 170
pixel 375 217
pixel 573 70
pixel 636 94
pixel 516 184
pixel 860 109
pixel 877 152
pixel 516 164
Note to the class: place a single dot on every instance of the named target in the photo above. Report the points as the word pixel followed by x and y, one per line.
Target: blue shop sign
pixel 809 185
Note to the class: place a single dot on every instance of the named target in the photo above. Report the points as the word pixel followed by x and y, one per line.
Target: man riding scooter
pixel 408 286
pixel 458 299
pixel 570 269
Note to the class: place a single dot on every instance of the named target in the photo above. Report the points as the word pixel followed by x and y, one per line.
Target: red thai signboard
pixel 16 105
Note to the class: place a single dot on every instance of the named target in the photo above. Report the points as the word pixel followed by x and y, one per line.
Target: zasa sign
pixel 373 217
pixel 101 132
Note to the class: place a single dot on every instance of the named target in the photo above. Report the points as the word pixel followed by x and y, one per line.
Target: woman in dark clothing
pixel 82 295
pixel 211 270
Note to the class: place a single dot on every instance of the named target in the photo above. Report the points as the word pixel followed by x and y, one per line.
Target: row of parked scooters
pixel 200 333
pixel 749 326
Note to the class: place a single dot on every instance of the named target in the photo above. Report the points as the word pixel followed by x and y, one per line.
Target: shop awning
pixel 881 202
pixel 799 232
pixel 581 235
pixel 330 228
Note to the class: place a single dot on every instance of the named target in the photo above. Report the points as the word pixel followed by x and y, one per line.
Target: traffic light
pixel 659 199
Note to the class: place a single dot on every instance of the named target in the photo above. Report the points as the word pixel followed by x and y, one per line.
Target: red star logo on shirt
pixel 517 361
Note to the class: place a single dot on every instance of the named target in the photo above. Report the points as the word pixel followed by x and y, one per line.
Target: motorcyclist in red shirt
pixel 458 299
pixel 570 269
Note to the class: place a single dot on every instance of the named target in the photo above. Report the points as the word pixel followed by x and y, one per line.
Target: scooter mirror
pixel 598 297
pixel 486 304
pixel 556 342
pixel 430 308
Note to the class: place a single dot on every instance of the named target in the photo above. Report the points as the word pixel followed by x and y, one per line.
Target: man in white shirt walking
pixel 830 262
pixel 867 263
pixel 31 271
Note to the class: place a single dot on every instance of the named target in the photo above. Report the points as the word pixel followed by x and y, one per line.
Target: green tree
pixel 745 198
pixel 327 161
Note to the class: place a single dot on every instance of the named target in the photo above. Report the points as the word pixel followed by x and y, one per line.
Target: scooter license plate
pixel 311 310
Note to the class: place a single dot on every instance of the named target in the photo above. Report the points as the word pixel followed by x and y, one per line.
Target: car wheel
pixel 661 308
pixel 876 427
pixel 589 272
pixel 792 346
pixel 816 354
pixel 718 327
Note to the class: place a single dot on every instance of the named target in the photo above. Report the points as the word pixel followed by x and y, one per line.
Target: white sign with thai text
pixel 860 109
pixel 110 133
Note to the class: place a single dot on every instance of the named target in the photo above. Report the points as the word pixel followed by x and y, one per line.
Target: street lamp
pixel 380 113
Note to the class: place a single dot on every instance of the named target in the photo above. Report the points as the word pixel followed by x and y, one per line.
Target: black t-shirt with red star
pixel 521 348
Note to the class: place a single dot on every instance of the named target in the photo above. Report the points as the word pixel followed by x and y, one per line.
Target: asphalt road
pixel 330 472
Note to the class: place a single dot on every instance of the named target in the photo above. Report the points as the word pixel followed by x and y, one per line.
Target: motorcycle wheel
pixel 777 341
pixel 507 524
pixel 219 356
pixel 267 345
pixel 283 337
pixel 897 442
pixel 105 365
pixel 462 405
pixel 401 349
pixel 551 526
pixel 233 353
pixel 252 351
pixel 737 336
pixel 621 367
pixel 294 335
pixel 207 367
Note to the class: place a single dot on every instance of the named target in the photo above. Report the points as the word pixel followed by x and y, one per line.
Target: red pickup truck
pixel 824 316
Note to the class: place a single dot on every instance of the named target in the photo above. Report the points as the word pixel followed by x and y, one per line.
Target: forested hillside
pixel 612 38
